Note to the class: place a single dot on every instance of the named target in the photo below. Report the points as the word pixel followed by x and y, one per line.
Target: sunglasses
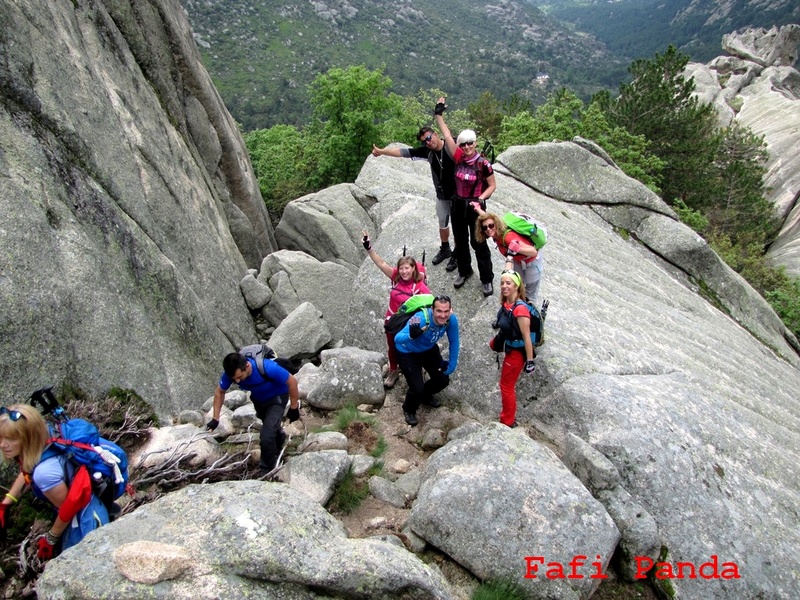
pixel 14 415
pixel 465 144
pixel 487 226
pixel 442 299
pixel 427 139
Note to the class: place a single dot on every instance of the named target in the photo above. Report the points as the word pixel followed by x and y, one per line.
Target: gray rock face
pixel 759 87
pixel 696 411
pixel 496 496
pixel 346 376
pixel 122 171
pixel 776 47
pixel 302 333
pixel 325 224
pixel 317 474
pixel 295 277
pixel 239 548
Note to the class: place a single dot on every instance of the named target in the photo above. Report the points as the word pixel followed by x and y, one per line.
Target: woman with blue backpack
pixel 514 322
pixel 24 439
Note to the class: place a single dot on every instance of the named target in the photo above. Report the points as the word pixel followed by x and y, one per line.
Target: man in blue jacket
pixel 418 349
pixel 269 395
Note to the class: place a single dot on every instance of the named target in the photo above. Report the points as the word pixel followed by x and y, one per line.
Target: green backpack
pixel 525 225
pixel 407 309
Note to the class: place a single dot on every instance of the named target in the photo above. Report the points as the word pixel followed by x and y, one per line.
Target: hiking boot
pixel 411 418
pixel 391 379
pixel 461 280
pixel 444 252
pixel 488 289
pixel 452 264
pixel 433 402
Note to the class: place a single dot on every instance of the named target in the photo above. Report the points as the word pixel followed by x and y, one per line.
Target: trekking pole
pixel 423 258
pixel 45 398
pixel 404 249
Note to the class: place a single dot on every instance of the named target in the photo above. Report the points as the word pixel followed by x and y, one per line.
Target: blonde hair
pixel 513 276
pixel 499 227
pixel 31 430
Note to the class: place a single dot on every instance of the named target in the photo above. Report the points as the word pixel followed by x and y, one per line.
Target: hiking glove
pixel 513 247
pixel 45 546
pixel 212 425
pixel 366 242
pixel 414 331
pixel 439 108
pixel 293 414
pixel 530 366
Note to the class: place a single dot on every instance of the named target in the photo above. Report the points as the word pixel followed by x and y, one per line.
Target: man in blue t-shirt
pixel 269 395
pixel 418 348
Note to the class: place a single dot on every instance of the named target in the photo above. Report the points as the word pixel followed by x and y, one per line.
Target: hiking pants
pixel 272 436
pixel 531 274
pixel 512 367
pixel 419 391
pixel 392 351
pixel 463 218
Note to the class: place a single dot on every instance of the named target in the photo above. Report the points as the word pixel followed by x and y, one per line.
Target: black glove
pixel 530 366
pixel 415 331
pixel 293 414
pixel 439 108
pixel 212 425
pixel 366 242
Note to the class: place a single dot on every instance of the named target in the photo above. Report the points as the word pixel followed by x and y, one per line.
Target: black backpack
pixel 408 309
pixel 508 324
pixel 261 352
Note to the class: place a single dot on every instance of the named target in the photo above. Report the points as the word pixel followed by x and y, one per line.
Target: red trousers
pixel 512 367
pixel 392 351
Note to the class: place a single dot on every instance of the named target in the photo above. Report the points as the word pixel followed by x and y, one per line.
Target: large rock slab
pixel 569 172
pixel 758 86
pixel 325 224
pixel 622 315
pixel 491 499
pixel 124 233
pixel 295 277
pixel 246 539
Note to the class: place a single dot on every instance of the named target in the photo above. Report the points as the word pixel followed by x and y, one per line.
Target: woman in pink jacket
pixel 408 279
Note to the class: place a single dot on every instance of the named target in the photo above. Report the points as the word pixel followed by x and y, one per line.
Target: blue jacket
pixel 431 334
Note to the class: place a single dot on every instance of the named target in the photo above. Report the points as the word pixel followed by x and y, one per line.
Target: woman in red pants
pixel 514 321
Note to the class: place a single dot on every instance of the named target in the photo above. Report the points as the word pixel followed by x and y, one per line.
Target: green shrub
pixel 350 414
pixel 352 491
pixel 693 218
pixel 497 590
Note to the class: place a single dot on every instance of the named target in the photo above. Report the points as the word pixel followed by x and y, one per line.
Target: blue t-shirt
pixel 48 474
pixel 262 391
pixel 431 335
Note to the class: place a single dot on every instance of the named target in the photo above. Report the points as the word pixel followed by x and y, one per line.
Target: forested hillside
pixel 262 56
pixel 639 28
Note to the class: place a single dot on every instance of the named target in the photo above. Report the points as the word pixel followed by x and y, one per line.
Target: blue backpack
pixel 510 327
pixel 80 442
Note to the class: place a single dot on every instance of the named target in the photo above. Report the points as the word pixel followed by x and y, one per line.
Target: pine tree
pixel 658 104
